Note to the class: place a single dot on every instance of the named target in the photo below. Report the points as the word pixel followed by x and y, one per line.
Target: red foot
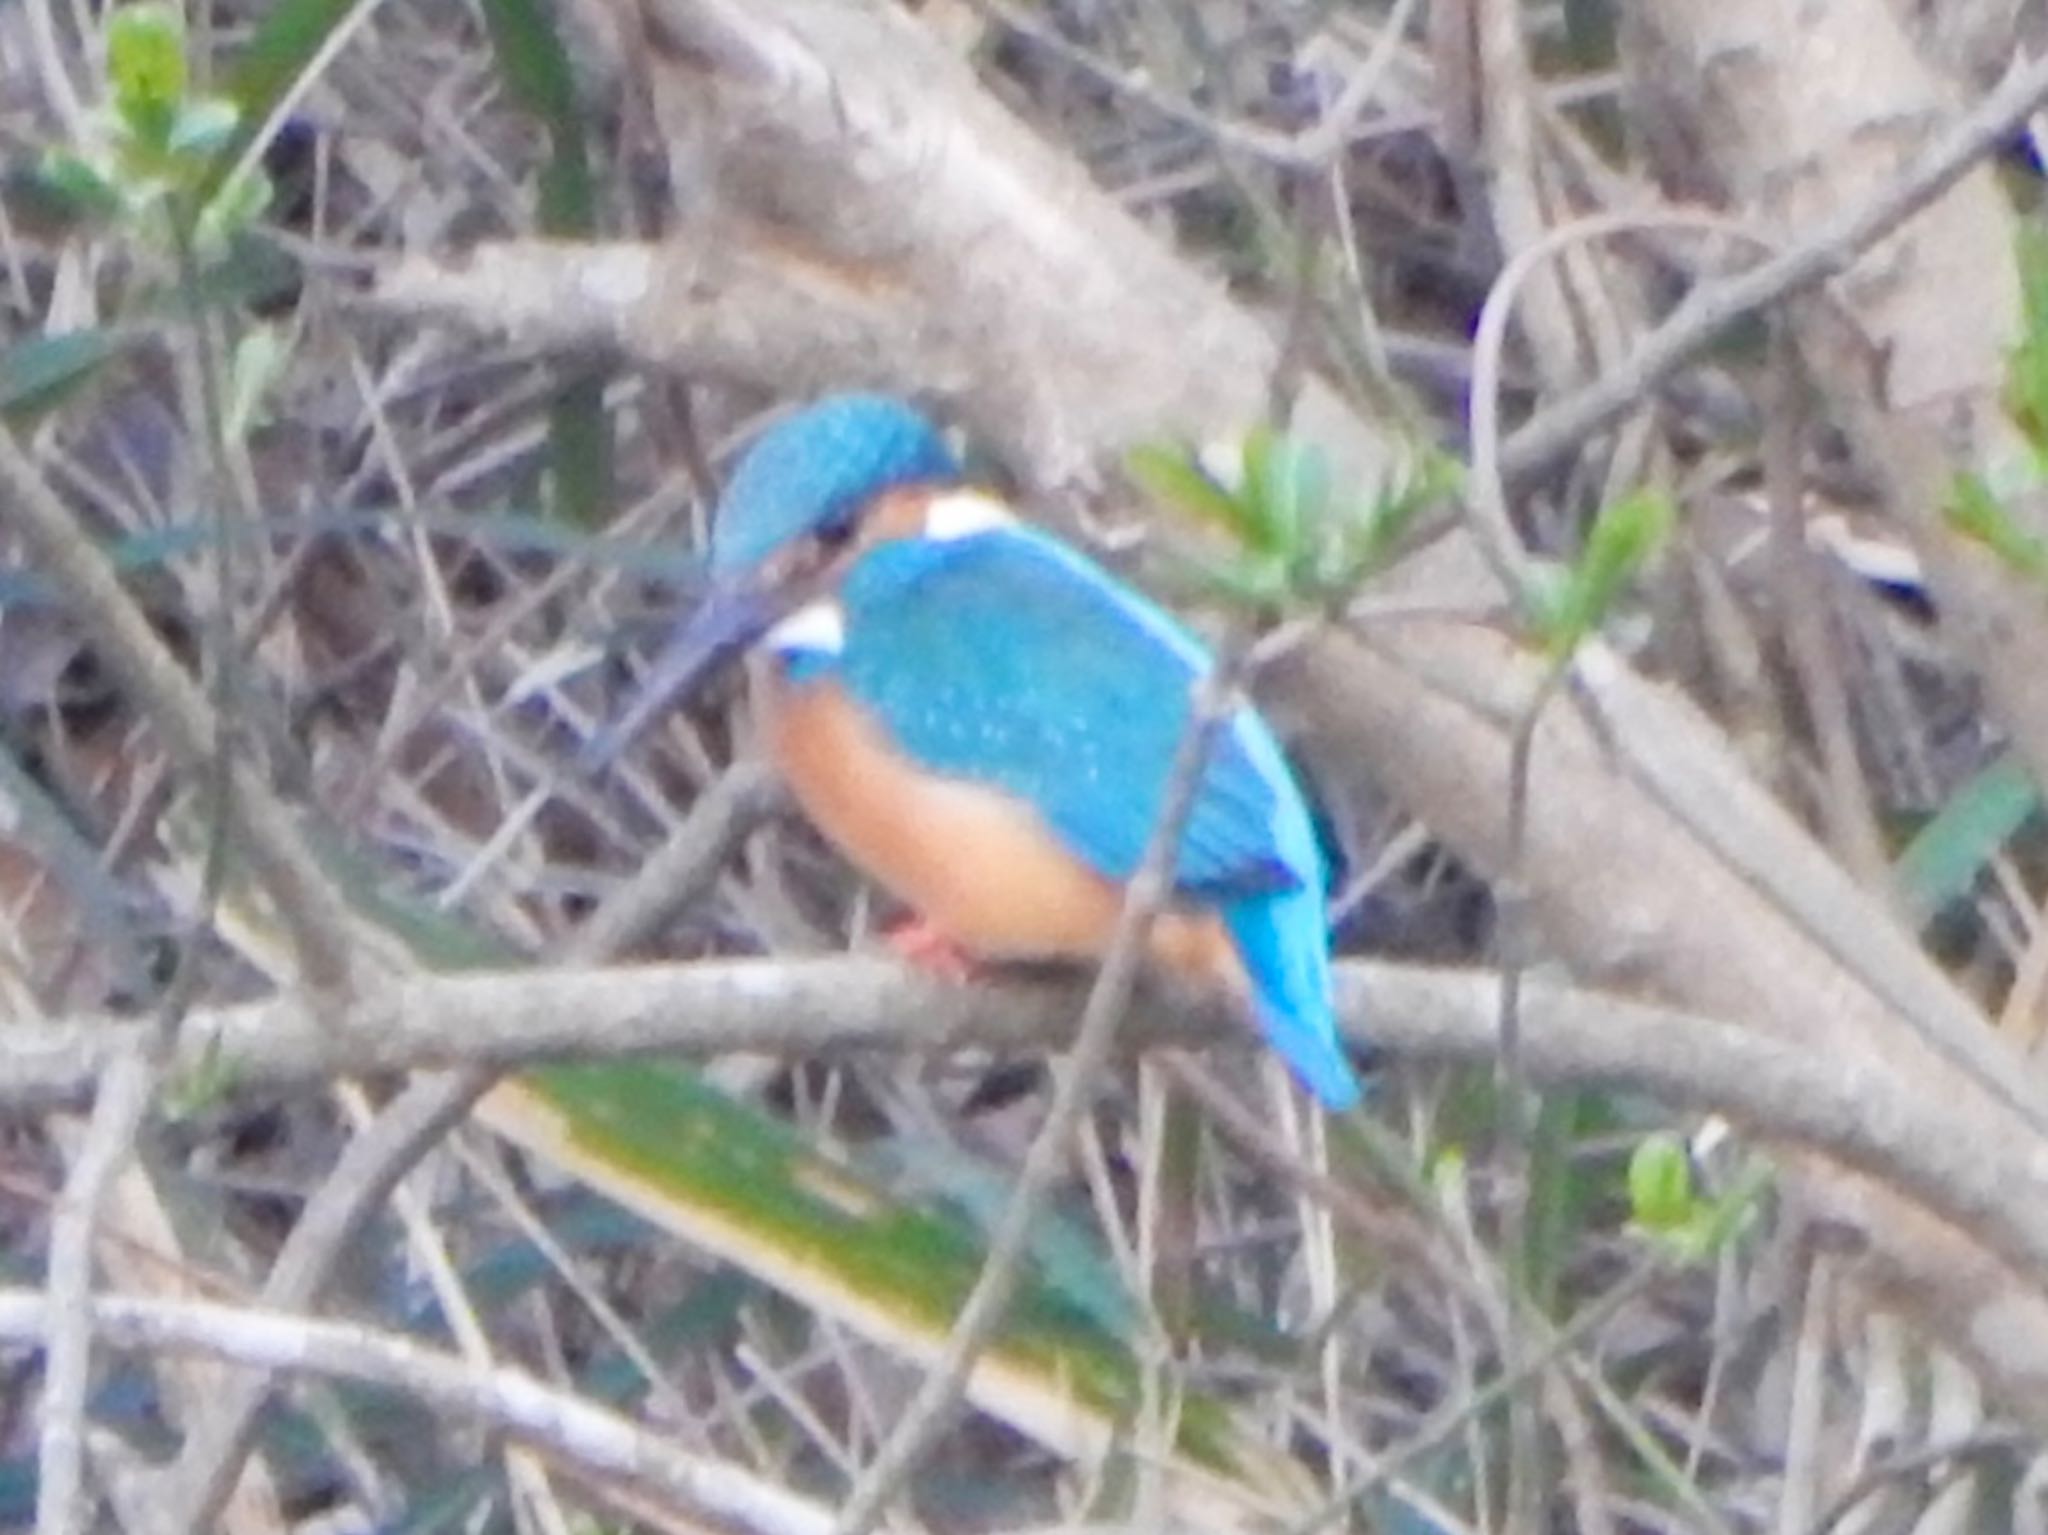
pixel 918 943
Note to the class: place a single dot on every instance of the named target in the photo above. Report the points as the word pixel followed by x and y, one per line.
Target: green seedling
pixel 1292 543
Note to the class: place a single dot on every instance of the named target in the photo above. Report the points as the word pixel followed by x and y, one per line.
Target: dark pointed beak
pixel 734 614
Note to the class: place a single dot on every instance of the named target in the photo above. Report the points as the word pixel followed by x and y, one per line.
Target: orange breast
pixel 978 864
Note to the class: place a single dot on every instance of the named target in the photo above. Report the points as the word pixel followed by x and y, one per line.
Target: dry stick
pixel 1858 1112
pixel 312 910
pixel 1806 619
pixel 989 1300
pixel 55 75
pixel 1806 1412
pixel 373 1163
pixel 61 1506
pixel 1311 150
pixel 1498 540
pixel 600 1445
pixel 1945 1459
pixel 1689 1503
pixel 1830 249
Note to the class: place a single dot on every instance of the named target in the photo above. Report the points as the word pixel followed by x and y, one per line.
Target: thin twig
pixel 54 74
pixel 1833 246
pixel 198 368
pixel 1806 1416
pixel 1492 461
pixel 61 1507
pixel 1515 909
pixel 1943 1459
pixel 596 1443
pixel 930 1410
pixel 1806 616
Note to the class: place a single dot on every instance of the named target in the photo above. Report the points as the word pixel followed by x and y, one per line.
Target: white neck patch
pixel 816 628
pixel 963 513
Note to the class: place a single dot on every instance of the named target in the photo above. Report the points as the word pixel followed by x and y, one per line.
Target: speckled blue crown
pixel 817 468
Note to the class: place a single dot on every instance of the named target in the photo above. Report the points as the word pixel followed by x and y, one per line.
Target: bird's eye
pixel 833 536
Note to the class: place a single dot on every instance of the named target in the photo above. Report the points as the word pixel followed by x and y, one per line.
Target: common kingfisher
pixel 983 720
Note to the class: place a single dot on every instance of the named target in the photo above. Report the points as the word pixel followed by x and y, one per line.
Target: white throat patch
pixel 963 513
pixel 816 628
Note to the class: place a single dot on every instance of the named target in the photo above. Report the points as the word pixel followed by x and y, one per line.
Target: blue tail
pixel 1286 952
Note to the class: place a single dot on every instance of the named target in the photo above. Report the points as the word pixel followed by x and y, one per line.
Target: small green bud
pixel 1661 1195
pixel 146 68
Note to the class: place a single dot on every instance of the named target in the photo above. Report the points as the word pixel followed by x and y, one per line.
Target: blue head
pixel 786 525
pixel 811 476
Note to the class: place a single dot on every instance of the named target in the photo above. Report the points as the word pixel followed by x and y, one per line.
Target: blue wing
pixel 1006 659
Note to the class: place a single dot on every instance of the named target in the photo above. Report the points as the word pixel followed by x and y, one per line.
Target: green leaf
pixel 1624 536
pixel 146 68
pixel 2027 384
pixel 1255 526
pixel 1976 511
pixel 734 1182
pixel 1433 477
pixel 1171 477
pixel 538 76
pixel 204 126
pixel 1943 861
pixel 1660 1184
pixel 229 212
pixel 258 362
pixel 80 187
pixel 1562 1188
pixel 198 1089
pixel 1287 489
pixel 38 373
pixel 1725 1217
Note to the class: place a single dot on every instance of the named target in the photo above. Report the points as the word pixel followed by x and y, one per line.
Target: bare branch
pixel 598 1445
pixel 1938 1149
pixel 61 1505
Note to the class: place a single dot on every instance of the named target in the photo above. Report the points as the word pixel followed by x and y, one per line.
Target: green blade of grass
pixel 40 373
pixel 1942 862
pixel 538 76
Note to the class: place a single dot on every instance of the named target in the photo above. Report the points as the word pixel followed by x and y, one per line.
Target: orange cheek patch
pixel 895 514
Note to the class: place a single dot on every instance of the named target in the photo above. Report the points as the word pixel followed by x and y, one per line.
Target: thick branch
pixel 1843 1104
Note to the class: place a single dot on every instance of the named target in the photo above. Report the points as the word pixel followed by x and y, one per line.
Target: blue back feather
pixel 1004 659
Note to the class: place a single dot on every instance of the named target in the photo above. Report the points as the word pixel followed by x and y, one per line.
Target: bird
pixel 983 720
